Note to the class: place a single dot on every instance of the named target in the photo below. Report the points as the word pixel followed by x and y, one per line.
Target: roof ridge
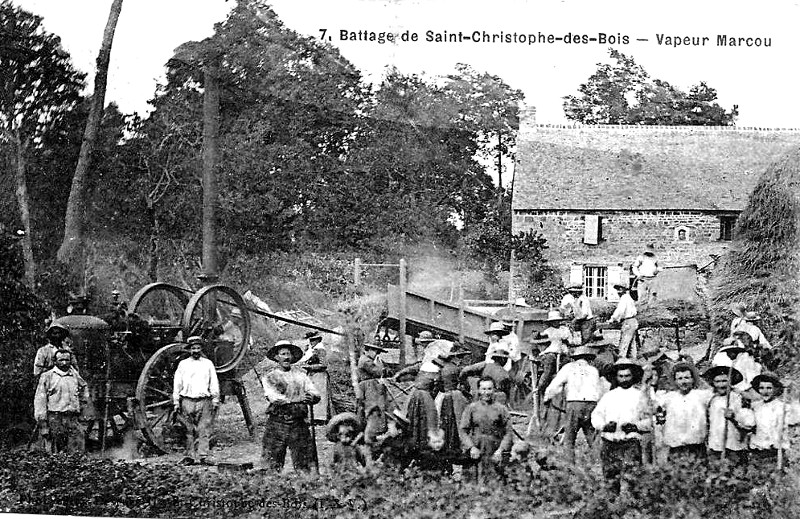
pixel 642 127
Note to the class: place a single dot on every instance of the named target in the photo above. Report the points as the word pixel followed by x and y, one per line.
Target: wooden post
pixel 401 333
pixel 724 418
pixel 357 272
pixel 782 427
pixel 461 313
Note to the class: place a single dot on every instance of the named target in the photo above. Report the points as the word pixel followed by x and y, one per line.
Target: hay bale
pixel 762 268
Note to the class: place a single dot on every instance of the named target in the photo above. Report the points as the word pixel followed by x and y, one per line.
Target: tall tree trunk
pixel 24 208
pixel 210 145
pixel 74 223
pixel 152 264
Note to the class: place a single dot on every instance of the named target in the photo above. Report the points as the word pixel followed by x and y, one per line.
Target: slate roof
pixel 643 167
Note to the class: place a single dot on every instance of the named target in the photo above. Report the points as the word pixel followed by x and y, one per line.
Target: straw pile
pixel 762 270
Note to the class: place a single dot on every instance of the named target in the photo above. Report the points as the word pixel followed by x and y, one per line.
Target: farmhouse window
pixel 593 230
pixel 595 281
pixel 726 226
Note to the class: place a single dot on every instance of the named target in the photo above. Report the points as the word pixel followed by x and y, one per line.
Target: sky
pixel 762 80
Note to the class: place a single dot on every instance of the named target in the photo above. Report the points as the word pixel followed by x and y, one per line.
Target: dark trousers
pixel 765 459
pixel 735 458
pixel 66 433
pixel 579 417
pixel 280 435
pixel 695 451
pixel 618 458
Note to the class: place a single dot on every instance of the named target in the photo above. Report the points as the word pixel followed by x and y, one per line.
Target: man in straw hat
pixel 575 304
pixel 621 416
pixel 580 382
pixel 195 395
pixel 289 391
pixel 772 418
pixel 682 412
pixel 493 369
pixel 734 353
pixel 750 326
pixel 728 420
pixel 625 313
pixel 496 334
pixel 343 432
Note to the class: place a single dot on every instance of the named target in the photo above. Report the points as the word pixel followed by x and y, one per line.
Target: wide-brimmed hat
pixel 622 285
pixel 734 345
pixel 583 351
pixel 574 287
pixel 425 337
pixel 379 349
pixel 57 330
pixel 338 420
pixel 554 315
pixel 496 328
pixel 500 351
pixel 313 335
pixel 751 316
pixel 508 322
pixel 768 377
pixel 398 417
pixel 538 338
pixel 297 351
pixel 194 339
pixel 711 373
pixel 636 370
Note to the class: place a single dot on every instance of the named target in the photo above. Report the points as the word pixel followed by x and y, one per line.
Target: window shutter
pixel 576 274
pixel 616 274
pixel 591 230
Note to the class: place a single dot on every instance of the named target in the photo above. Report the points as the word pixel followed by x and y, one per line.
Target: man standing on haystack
pixel 646 268
pixel 289 392
pixel 621 416
pixel 575 305
pixel 195 395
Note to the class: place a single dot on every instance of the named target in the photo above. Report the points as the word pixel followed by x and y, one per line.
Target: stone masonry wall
pixel 624 235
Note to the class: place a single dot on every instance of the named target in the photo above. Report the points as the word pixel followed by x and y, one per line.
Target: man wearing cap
pixel 575 304
pixel 682 412
pixel 486 432
pixel 728 420
pixel 646 268
pixel 772 418
pixel 195 395
pixel 625 313
pixel 621 416
pixel 580 383
pixel 289 392
pixel 61 395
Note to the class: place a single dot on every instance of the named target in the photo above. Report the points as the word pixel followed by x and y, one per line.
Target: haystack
pixel 762 270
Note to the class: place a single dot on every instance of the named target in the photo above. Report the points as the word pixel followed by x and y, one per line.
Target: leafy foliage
pixel 623 93
pixel 22 316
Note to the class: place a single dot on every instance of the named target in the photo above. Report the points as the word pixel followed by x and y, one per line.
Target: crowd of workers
pixel 449 422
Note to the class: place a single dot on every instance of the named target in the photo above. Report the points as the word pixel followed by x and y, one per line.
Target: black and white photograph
pixel 400 258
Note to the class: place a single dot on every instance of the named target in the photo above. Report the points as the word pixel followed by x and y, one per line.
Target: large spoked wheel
pixel 161 305
pixel 219 315
pixel 154 398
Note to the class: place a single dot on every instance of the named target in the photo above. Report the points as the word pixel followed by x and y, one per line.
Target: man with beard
pixel 621 416
pixel 682 412
pixel 60 397
pixel 289 392
pixel 195 395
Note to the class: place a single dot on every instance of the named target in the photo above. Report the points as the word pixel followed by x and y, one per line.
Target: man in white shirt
pixel 621 416
pixel 772 419
pixel 625 313
pixel 734 353
pixel 581 384
pixel 195 395
pixel 575 304
pixel 728 420
pixel 289 392
pixel 646 268
pixel 749 326
pixel 682 412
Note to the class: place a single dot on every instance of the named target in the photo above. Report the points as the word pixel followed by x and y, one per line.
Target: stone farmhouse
pixel 602 194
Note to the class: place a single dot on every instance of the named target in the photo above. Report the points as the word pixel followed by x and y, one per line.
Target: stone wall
pixel 624 235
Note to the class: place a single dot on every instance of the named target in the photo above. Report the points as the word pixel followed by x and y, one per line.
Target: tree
pixel 75 220
pixel 491 108
pixel 623 93
pixel 38 83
